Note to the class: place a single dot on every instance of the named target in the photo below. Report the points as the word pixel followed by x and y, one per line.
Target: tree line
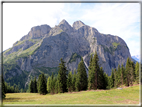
pixel 79 80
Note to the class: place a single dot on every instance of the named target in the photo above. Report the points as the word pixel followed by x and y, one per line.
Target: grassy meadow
pixel 128 95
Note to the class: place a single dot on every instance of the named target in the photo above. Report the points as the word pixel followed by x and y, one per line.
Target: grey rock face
pixel 72 43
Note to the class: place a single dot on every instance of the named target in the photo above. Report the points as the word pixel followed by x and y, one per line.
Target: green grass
pixel 128 95
pixel 115 44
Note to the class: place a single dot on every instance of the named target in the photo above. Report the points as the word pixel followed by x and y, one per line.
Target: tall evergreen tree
pixel 82 75
pixel 90 73
pixel 74 80
pixel 112 79
pixel 62 77
pixel 42 85
pixel 95 70
pixel 101 79
pixel 137 72
pixel 69 82
pixel 3 89
pixel 128 74
pixel 56 86
pixel 52 84
pixel 48 84
pixel 122 72
pixel 31 86
pixel 35 85
pixel 115 77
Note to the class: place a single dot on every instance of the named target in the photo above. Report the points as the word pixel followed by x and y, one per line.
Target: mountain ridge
pixel 41 49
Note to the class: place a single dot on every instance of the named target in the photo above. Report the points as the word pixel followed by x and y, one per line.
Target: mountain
pixel 41 49
pixel 136 57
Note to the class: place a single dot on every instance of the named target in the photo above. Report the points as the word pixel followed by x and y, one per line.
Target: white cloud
pixel 18 18
pixel 121 19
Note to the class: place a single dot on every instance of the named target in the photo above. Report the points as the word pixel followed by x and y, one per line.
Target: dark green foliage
pixel 42 88
pixel 102 83
pixel 56 85
pixel 31 86
pixel 115 76
pixel 128 68
pixel 74 56
pixel 90 74
pixel 3 89
pixel 137 72
pixel 74 80
pixel 69 82
pixel 62 77
pixel 48 84
pixel 112 79
pixel 35 86
pixel 52 84
pixel 122 76
pixel 95 70
pixel 81 76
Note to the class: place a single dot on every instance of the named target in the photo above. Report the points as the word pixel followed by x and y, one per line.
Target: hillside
pixel 41 49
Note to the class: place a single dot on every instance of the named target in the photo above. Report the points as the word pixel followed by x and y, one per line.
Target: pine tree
pixel 62 77
pixel 82 75
pixel 101 79
pixel 122 72
pixel 31 86
pixel 74 80
pixel 128 75
pixel 115 77
pixel 77 82
pixel 90 73
pixel 56 86
pixel 52 84
pixel 112 79
pixel 95 70
pixel 48 84
pixel 137 72
pixel 69 82
pixel 35 86
pixel 42 85
pixel 132 72
pixel 3 89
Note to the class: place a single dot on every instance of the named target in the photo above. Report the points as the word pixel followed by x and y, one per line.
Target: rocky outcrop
pixel 70 43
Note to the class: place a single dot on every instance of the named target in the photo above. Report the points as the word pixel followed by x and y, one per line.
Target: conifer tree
pixel 112 79
pixel 128 75
pixel 69 82
pixel 74 80
pixel 95 70
pixel 56 86
pixel 3 89
pixel 35 85
pixel 31 86
pixel 82 75
pixel 48 84
pixel 115 77
pixel 101 79
pixel 52 84
pixel 137 72
pixel 42 85
pixel 77 82
pixel 38 82
pixel 62 77
pixel 90 74
pixel 122 72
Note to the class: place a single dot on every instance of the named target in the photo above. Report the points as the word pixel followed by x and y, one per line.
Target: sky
pixel 120 19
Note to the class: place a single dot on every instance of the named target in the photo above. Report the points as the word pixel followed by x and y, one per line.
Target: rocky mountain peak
pixel 78 24
pixel 64 22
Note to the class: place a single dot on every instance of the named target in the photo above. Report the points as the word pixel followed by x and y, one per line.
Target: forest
pixel 78 80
